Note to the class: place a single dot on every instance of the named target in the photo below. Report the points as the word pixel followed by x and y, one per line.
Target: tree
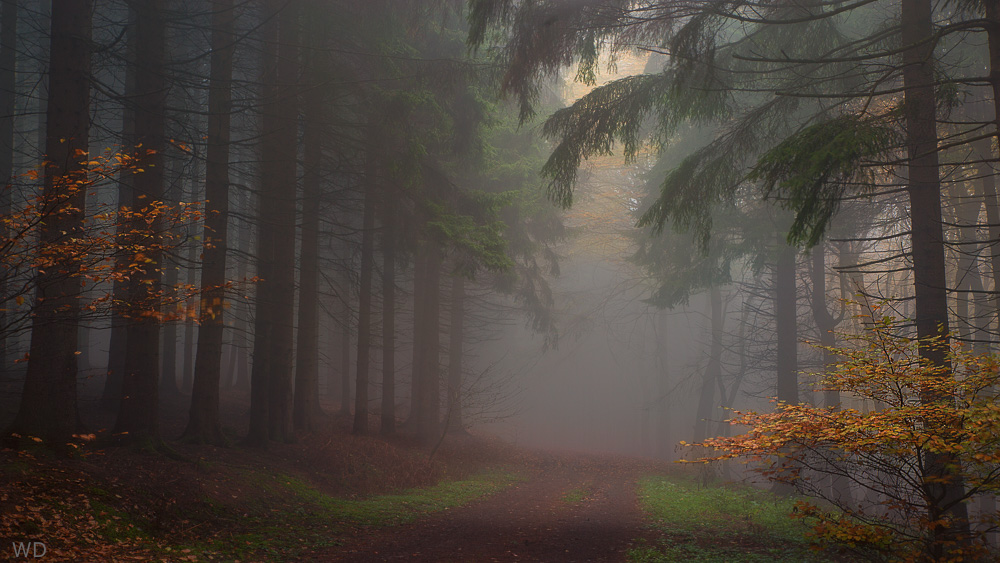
pixel 203 423
pixel 388 412
pixel 138 416
pixel 891 451
pixel 271 377
pixel 307 411
pixel 48 408
pixel 8 62
pixel 365 281
pixel 846 123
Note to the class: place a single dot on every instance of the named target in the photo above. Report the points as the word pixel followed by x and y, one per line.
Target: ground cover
pixel 724 523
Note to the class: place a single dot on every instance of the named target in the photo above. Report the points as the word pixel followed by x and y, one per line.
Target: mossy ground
pixel 226 504
pixel 721 523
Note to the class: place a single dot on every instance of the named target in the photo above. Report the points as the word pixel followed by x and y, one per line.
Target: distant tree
pixel 371 179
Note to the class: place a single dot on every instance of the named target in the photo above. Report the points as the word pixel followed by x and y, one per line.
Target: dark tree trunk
pixel 168 375
pixel 8 99
pixel 271 378
pixel 785 325
pixel 280 190
pixel 307 412
pixel 427 352
pixel 419 336
pixel 927 245
pixel 345 351
pixel 239 372
pixel 204 425
pixel 48 408
pixel 190 327
pixel 138 415
pixel 456 337
pixel 992 25
pixel 365 293
pixel 388 413
pixel 785 302
pixel 112 395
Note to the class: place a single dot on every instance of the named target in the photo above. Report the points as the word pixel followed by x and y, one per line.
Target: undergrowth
pixel 308 519
pixel 720 523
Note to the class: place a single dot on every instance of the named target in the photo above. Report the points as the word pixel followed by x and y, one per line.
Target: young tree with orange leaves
pixel 920 416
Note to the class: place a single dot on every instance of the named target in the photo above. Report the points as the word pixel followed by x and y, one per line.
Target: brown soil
pixel 571 508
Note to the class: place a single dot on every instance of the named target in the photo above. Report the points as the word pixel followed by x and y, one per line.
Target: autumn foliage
pixel 113 244
pixel 902 412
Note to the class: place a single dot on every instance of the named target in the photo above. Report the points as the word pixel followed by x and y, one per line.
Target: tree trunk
pixel 664 442
pixel 190 326
pixel 139 412
pixel 713 369
pixel 204 425
pixel 239 373
pixel 271 378
pixel 988 184
pixel 826 324
pixel 968 284
pixel 456 337
pixel 427 369
pixel 785 301
pixel 112 394
pixel 945 489
pixel 48 408
pixel 284 167
pixel 8 99
pixel 345 351
pixel 785 325
pixel 365 292
pixel 388 413
pixel 168 375
pixel 307 411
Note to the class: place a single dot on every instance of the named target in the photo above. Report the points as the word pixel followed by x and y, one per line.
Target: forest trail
pixel 565 510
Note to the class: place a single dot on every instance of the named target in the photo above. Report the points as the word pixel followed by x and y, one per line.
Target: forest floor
pixel 336 497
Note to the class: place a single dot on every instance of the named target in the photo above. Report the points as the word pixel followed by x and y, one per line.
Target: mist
pixel 556 280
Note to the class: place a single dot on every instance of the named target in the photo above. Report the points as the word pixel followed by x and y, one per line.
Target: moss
pixel 721 523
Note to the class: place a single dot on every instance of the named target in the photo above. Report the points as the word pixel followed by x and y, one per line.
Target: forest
pixel 500 280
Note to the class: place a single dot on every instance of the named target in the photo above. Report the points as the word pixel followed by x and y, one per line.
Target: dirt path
pixel 578 510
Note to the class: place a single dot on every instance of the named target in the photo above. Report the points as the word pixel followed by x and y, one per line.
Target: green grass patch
pixel 402 507
pixel 576 495
pixel 297 517
pixel 724 523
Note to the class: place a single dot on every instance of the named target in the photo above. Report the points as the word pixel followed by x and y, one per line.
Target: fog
pixel 367 247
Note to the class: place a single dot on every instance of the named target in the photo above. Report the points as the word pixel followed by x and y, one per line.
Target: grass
pixel 309 519
pixel 724 523
pixel 577 495
pixel 402 507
